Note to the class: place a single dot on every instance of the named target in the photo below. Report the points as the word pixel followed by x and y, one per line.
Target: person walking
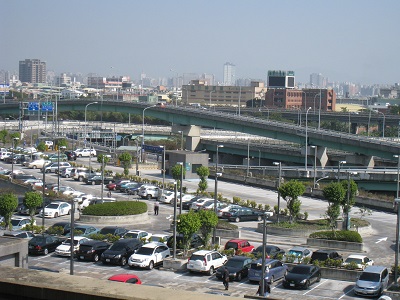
pixel 225 278
pixel 156 207
pixel 267 288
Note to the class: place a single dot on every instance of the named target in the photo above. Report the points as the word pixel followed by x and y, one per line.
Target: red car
pixel 239 246
pixel 111 186
pixel 128 278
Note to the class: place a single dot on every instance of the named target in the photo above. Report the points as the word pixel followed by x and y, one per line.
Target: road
pixel 376 246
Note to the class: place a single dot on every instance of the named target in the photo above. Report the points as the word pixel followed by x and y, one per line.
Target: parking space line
pixel 345 294
pixel 322 282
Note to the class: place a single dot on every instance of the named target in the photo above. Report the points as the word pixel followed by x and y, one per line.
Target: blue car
pixel 275 270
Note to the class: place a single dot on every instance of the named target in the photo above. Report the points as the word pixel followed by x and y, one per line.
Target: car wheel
pixel 66 176
pixel 237 219
pixel 80 155
pixel 93 183
pixel 239 277
pixel 211 271
pixel 80 178
pixel 47 171
pixel 33 167
pixel 319 278
pixel 55 215
pixel 151 265
pixel 96 258
pixel 46 251
pixel 272 280
pixel 123 261
pixel 69 212
pixel 307 285
pixel 259 218
pixel 148 197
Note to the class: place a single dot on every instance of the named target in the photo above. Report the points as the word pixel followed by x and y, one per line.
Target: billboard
pixel 4 89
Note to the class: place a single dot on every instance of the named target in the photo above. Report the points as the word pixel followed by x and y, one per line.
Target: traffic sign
pixel 47 106
pixel 33 106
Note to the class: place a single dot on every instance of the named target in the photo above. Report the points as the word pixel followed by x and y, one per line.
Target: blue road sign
pixel 47 106
pixel 33 106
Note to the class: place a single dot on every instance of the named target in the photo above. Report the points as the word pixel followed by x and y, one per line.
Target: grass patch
pixel 119 208
pixel 318 224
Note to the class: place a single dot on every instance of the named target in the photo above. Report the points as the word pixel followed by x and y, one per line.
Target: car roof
pixel 237 241
pixel 239 257
pixel 267 260
pixel 19 218
pixel 153 245
pixel 83 226
pixel 61 223
pixel 325 251
pixel 297 248
pixel 203 252
pixel 356 256
pixel 126 241
pixel 374 269
pixel 78 238
pixel 94 242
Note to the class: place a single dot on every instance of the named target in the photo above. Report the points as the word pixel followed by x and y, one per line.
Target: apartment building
pixel 32 71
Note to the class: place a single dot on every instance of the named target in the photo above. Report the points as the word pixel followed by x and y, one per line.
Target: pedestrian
pixel 225 278
pixel 109 194
pixel 267 288
pixel 156 207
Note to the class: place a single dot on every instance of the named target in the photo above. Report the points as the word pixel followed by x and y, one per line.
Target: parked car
pixel 63 227
pixel 71 155
pixel 85 152
pixel 134 189
pixel 19 223
pixel 66 172
pixel 169 196
pixel 91 250
pixel 53 167
pixel 80 174
pixel 120 182
pixel 149 255
pixel 226 208
pixel 185 198
pixel 98 179
pixel 44 244
pixel 158 237
pixel 238 268
pixel 239 245
pixel 56 158
pixel 302 276
pixel 137 234
pixel 199 202
pixel 206 261
pixel 120 251
pixel 188 204
pixel 195 242
pixel 56 209
pixel 274 270
pixel 270 250
pixel 149 191
pixel 19 234
pixel 127 278
pixel 372 281
pixel 323 255
pixel 22 209
pixel 114 230
pixel 125 186
pixel 297 254
pixel 65 248
pixel 83 230
pixel 362 261
pixel 243 214
pixel 38 164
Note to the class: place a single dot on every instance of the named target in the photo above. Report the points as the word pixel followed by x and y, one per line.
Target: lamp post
pixel 143 129
pixel 71 266
pixel 137 154
pixel 305 99
pixel 174 231
pixel 210 97
pixel 305 160
pixel 102 177
pixel 279 164
pixel 58 166
pixel 264 253
pixel 397 205
pixel 315 165
pixel 163 170
pixel 319 110
pixel 348 199
pixel 12 157
pixel 181 132
pixel 341 162
pixel 383 124
pixel 216 189
pixel 85 117
pixel 248 158
pixel 180 187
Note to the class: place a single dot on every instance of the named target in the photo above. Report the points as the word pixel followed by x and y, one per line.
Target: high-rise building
pixel 229 74
pixel 32 71
pixel 281 79
pixel 317 80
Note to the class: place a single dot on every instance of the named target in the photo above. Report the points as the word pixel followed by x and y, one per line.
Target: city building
pixel 229 74
pixel 200 93
pixel 317 80
pixel 281 79
pixel 32 71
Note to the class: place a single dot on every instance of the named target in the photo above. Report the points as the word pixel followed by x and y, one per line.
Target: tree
pixel 100 158
pixel 290 192
pixel 203 172
pixel 8 204
pixel 176 173
pixel 209 221
pixel 334 193
pixel 62 143
pixel 3 136
pixel 126 160
pixel 41 146
pixel 347 205
pixel 188 224
pixel 31 201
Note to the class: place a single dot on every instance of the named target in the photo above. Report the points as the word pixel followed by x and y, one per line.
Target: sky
pixel 344 40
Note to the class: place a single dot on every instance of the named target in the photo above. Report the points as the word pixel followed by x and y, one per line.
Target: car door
pixel 157 254
pixel 218 259
pixel 52 243
pixel 246 246
pixel 280 268
pixel 314 274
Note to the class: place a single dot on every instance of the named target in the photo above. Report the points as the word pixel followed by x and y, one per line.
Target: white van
pixel 4 155
pixel 149 192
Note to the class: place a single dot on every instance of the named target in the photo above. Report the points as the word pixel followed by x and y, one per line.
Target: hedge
pixel 340 235
pixel 119 208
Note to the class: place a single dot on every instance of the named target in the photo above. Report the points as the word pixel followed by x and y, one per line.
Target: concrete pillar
pixel 191 134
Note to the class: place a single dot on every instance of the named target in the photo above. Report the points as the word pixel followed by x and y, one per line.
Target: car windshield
pixel 231 245
pixel 353 259
pixel 319 256
pixel 258 266
pixel 107 231
pixel 145 251
pixel 300 270
pixel 38 240
pixel 295 253
pixel 370 277
pixel 15 222
pixel 197 257
pixel 132 235
pixel 68 242
pixel 117 247
pixel 234 263
pixel 53 206
pixel 83 229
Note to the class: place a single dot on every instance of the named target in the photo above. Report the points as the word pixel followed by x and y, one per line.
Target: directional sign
pixel 155 149
pixel 47 106
pixel 381 240
pixel 33 106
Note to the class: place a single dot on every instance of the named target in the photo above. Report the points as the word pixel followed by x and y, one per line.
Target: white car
pixel 73 193
pixel 65 248
pixel 227 208
pixel 85 152
pixel 158 237
pixel 19 223
pixel 362 261
pixel 137 234
pixel 56 209
pixel 206 261
pixel 38 164
pixel 169 197
pixel 149 255
pixel 199 203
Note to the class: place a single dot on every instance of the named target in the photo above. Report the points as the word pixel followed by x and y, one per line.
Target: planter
pixel 284 231
pixel 222 233
pixel 337 273
pixel 333 244
pixel 175 264
pixel 130 219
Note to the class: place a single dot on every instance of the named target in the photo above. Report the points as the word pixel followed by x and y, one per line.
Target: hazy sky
pixel 345 40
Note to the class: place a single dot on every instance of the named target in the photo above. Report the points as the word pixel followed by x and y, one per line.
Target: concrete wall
pixel 331 244
pixel 131 219
pixel 13 252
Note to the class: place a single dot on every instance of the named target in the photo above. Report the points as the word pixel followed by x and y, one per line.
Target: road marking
pixel 315 287
pixel 381 240
pixel 345 294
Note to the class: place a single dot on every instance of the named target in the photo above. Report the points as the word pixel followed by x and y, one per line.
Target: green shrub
pixel 351 266
pixel 119 208
pixel 222 224
pixel 57 230
pixel 267 207
pixel 340 235
pixel 236 200
pixel 229 252
pixel 34 228
pixel 306 260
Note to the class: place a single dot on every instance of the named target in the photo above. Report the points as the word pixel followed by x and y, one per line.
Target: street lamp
pixel 210 97
pixel 85 117
pixel 180 187
pixel 383 124
pixel 58 166
pixel 143 129
pixel 264 253
pixel 279 164
pixel 102 177
pixel 174 230
pixel 163 170
pixel 216 190
pixel 341 162
pixel 12 157
pixel 71 265
pixel 397 204
pixel 137 154
pixel 315 164
pixel 348 199
pixel 305 161
pixel 181 132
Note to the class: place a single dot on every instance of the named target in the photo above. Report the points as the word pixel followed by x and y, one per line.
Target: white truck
pixel 85 152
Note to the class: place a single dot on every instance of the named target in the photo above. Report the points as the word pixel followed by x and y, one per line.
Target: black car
pixel 243 214
pixel 22 209
pixel 188 204
pixel 114 230
pixel 323 255
pixel 270 250
pixel 44 244
pixel 97 179
pixel 91 250
pixel 65 226
pixel 238 267
pixel 120 251
pixel 302 276
pixel 195 242
pixel 71 155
